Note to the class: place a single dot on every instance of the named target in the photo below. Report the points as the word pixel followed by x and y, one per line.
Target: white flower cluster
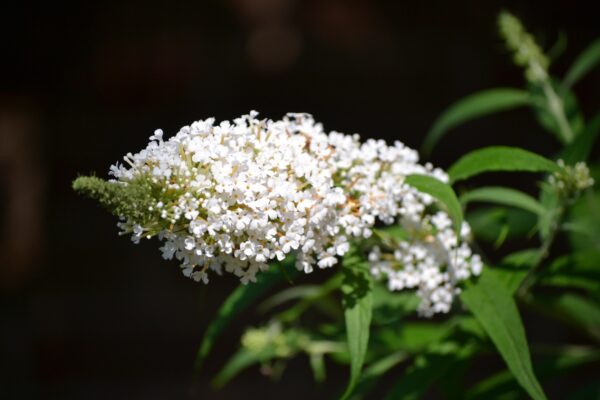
pixel 234 196
pixel 431 260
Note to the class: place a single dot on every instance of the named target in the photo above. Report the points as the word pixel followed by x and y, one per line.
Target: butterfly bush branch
pixel 233 196
pixel 529 55
pixel 566 185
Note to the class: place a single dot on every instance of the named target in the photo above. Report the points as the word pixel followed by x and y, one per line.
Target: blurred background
pixel 84 314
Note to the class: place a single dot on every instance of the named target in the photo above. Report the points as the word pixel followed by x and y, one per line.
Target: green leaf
pixel 239 300
pixel 318 299
pixel 391 235
pixel 502 384
pixel 293 293
pixel 375 371
pixel 427 368
pixel 391 307
pixel 495 309
pixel 504 196
pixel 584 63
pixel 499 158
pixel 585 215
pixel 581 147
pixel 549 198
pixel 558 48
pixel 240 361
pixel 474 106
pixel 573 309
pixel 411 336
pixel 490 223
pixel 579 270
pixel 442 192
pixel 357 300
pixel 513 268
pixel 545 110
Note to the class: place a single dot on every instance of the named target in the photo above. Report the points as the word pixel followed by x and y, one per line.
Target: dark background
pixel 84 314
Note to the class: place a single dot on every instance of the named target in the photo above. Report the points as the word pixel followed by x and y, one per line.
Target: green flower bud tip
pixel 131 200
pixel 526 51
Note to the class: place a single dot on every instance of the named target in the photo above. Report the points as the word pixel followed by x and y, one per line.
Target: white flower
pixel 430 260
pixel 234 196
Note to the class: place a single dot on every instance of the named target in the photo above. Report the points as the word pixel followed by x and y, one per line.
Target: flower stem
pixel 532 275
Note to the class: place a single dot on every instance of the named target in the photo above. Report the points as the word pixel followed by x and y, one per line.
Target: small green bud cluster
pixel 272 338
pixel 571 179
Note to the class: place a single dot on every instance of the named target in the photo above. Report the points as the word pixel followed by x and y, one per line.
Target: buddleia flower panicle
pixel 233 196
pixel 431 260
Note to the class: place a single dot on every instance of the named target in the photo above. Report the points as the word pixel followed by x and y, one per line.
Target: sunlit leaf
pixel 440 191
pixel 471 107
pixel 357 301
pixel 504 196
pixel 585 62
pixel 499 158
pixel 493 306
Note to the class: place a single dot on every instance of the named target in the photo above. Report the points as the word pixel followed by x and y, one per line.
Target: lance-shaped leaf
pixel 584 63
pixel 428 367
pixel 471 107
pixel 572 308
pixel 494 307
pixel 357 300
pixel 374 372
pixel 514 267
pixel 504 196
pixel 440 191
pixel 499 158
pixel 581 147
pixel 241 360
pixel 239 300
pixel 503 385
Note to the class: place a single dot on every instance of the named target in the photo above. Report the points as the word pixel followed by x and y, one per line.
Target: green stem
pixel 555 103
pixel 556 108
pixel 544 251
